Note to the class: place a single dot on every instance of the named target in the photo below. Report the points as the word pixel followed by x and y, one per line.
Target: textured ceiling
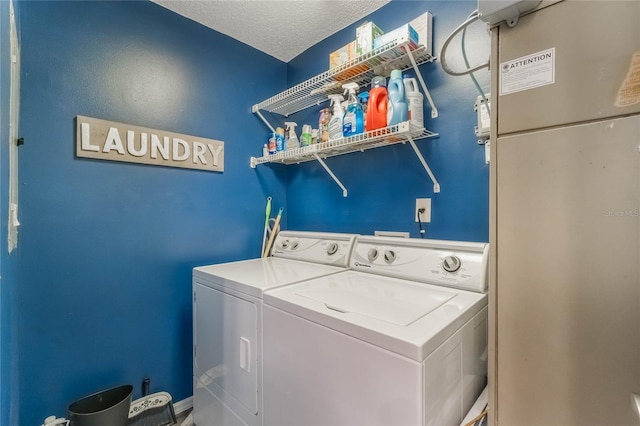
pixel 280 28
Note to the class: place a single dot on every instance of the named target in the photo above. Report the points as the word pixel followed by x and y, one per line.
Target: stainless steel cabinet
pixel 565 233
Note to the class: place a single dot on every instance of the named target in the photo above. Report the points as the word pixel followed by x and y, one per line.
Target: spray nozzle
pixel 350 88
pixel 291 127
pixel 336 99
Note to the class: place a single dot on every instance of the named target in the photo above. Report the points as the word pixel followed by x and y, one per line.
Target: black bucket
pixel 107 408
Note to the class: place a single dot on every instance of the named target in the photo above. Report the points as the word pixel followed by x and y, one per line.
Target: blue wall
pixel 107 248
pixel 383 183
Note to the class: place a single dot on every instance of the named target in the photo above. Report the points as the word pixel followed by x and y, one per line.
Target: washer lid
pixel 377 299
pixel 409 318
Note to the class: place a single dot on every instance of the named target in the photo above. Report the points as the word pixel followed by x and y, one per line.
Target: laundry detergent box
pixel 401 34
pixel 423 25
pixel 365 34
pixel 342 55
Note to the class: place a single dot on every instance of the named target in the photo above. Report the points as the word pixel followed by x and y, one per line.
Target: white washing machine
pixel 400 339
pixel 227 321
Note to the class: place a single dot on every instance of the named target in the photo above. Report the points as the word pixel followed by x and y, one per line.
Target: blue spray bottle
pixel 353 120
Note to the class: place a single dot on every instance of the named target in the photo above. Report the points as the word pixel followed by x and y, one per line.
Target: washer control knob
pixel 332 248
pixel 294 245
pixel 389 256
pixel 451 263
pixel 284 244
pixel 372 254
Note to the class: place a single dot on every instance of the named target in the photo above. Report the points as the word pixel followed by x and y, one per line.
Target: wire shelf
pixel 398 133
pixel 315 91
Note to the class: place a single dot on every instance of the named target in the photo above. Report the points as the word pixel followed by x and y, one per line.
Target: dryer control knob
pixel 284 244
pixel 451 263
pixel 294 245
pixel 389 256
pixel 332 248
pixel 372 254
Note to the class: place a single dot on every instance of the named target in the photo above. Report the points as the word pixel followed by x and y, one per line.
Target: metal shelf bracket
pixel 333 176
pixel 434 110
pixel 257 111
pixel 436 185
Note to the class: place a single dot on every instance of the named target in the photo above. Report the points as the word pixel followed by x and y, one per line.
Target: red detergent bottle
pixel 377 107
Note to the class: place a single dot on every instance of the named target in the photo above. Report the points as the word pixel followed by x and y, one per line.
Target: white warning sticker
pixel 528 72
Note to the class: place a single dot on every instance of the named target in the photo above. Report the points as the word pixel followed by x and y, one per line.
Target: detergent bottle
pixel 397 110
pixel 363 98
pixel 377 107
pixel 353 121
pixel 335 125
pixel 292 141
pixel 415 101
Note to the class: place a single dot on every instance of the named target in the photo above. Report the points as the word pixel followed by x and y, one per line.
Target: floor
pixel 182 416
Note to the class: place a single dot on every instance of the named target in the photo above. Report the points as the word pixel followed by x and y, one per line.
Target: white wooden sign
pixel 109 140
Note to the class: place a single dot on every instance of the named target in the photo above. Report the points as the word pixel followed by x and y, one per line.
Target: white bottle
pixel 292 140
pixel 415 101
pixel 335 125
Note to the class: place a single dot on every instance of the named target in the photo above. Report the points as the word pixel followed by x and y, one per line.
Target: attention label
pixel 528 72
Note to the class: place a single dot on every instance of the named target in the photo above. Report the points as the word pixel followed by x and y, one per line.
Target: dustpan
pixel 152 410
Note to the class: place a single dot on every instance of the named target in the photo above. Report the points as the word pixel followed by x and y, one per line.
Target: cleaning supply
pixel 323 125
pixel 279 139
pixel 265 150
pixel 305 137
pixel 377 108
pixel 397 110
pixel 271 145
pixel 363 98
pixel 353 121
pixel 292 141
pixel 335 125
pixel 415 101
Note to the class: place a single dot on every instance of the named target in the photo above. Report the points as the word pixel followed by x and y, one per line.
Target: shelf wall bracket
pixel 436 185
pixel 434 110
pixel 333 176
pixel 257 111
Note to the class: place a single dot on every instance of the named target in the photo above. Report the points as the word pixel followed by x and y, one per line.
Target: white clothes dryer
pixel 227 321
pixel 400 339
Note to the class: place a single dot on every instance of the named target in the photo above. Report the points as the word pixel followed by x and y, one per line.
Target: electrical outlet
pixel 423 203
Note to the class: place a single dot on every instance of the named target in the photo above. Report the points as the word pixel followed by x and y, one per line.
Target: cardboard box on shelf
pixel 365 34
pixel 423 25
pixel 403 33
pixel 342 55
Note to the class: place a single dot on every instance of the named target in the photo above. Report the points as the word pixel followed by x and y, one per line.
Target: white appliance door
pixel 226 339
pixel 568 275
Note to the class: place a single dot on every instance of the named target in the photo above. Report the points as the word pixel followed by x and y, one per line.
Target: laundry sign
pixel 109 140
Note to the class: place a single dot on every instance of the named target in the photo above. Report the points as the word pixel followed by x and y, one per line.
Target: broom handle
pixel 272 235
